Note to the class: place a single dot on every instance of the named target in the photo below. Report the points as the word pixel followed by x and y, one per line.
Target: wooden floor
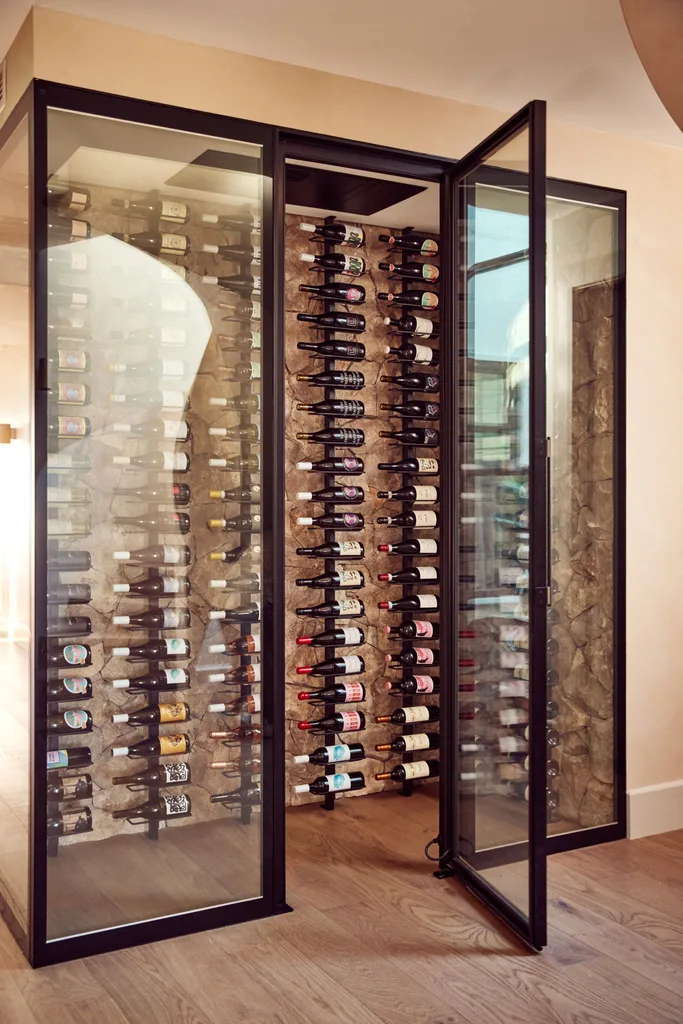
pixel 375 939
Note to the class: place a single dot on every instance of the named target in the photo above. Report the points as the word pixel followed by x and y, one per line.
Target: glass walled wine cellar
pixel 266 397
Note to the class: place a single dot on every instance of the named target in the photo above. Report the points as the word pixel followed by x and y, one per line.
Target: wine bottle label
pixel 176 804
pixel 350 606
pixel 68 360
pixel 513 716
pixel 174 773
pixel 172 368
pixel 427 547
pixel 73 788
pixel 430 272
pixel 71 426
pixel 354 295
pixel 76 719
pixel 74 821
pixel 427 601
pixel 61 495
pixel 418 714
pixel 171 556
pixel 256 704
pixel 256 310
pixel 171 272
pixel 255 673
pixel 172 399
pixel 336 783
pixel 171 245
pixel 425 494
pixel 79 229
pixel 348 548
pixel 58 759
pixel 176 743
pixel 425 518
pixel 354 266
pixel 339 752
pixel 352 635
pixel 176 646
pixel 429 247
pixel 521 671
pixel 432 410
pixel 351 519
pixel 416 770
pixel 171 585
pixel 175 461
pixel 517 638
pixel 174 211
pixel 353 692
pixel 353 235
pixel 420 741
pixel 425 655
pixel 350 721
pixel 173 336
pixel 75 654
pixel 172 713
pixel 65 527
pixel 427 572
pixel 423 628
pixel 350 578
pixel 79 261
pixel 429 300
pixel 423 354
pixel 510 744
pixel 352 664
pixel 427 465
pixel 513 688
pixel 75 684
pixel 175 676
pixel 424 684
pixel 171 619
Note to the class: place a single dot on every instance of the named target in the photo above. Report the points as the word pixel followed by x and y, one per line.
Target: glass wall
pixel 153 517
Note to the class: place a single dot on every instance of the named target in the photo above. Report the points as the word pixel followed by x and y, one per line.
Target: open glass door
pixel 494 530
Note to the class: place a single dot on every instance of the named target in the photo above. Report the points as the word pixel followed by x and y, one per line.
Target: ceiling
pixel 576 54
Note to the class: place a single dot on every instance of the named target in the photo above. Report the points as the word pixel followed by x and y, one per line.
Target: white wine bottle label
pixel 352 635
pixel 176 430
pixel 79 261
pixel 171 619
pixel 424 328
pixel 428 465
pixel 417 714
pixel 350 721
pixel 174 805
pixel 425 655
pixel 423 354
pixel 172 368
pixel 510 744
pixel 350 578
pixel 171 585
pixel 352 664
pixel 79 229
pixel 65 528
pixel 423 628
pixel 428 547
pixel 429 247
pixel 76 719
pixel 424 684
pixel 336 783
pixel 171 272
pixel 176 743
pixel 75 654
pixel 173 336
pixel 513 688
pixel 171 245
pixel 172 713
pixel 175 676
pixel 427 572
pixel 354 266
pixel 256 309
pixel 349 548
pixel 171 303
pixel 429 300
pixel 68 360
pixel 521 671
pixel 425 518
pixel 516 638
pixel 173 773
pixel 416 770
pixel 75 684
pixel 256 705
pixel 257 284
pixel 426 494
pixel 175 461
pixel 173 210
pixel 61 495
pixel 420 741
pixel 513 716
pixel 58 759
pixel 428 601
pixel 173 399
pixel 172 556
pixel 256 371
pixel 256 675
pixel 74 394
pixel 339 752
pixel 430 272
pixel 353 692
pixel 350 606
pixel 176 646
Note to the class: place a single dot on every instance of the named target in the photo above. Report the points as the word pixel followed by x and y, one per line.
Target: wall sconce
pixel 7 433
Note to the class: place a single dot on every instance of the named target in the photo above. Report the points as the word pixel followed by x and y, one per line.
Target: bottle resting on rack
pixel 341 721
pixel 335 754
pixel 338 263
pixel 338 783
pixel 336 291
pixel 334 521
pixel 424 437
pixel 350 550
pixel 352 351
pixel 161 809
pixel 414 770
pixel 340 234
pixel 158 746
pixel 412 243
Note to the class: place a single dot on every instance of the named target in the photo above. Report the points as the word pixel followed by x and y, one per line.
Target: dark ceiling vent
pixel 206 171
pixel 325 189
pixel 295 172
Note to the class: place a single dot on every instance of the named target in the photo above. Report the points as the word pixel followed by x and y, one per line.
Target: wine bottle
pixel 350 437
pixel 350 550
pixel 415 326
pixel 417 741
pixel 338 783
pixel 410 716
pixel 152 399
pixel 411 298
pixel 410 685
pixel 249 583
pixel 247 705
pixel 408 353
pixel 334 495
pixel 175 773
pixel 240 734
pixel 425 437
pixel 239 463
pixel 173 368
pixel 68 426
pixel 335 754
pixel 156 746
pixel 241 284
pixel 343 579
pixel 66 230
pixel 166 430
pixel 412 270
pixel 67 528
pixel 411 547
pixel 157 618
pixel 68 655
pixel 422 467
pixel 249 613
pixel 349 665
pixel 73 757
pixel 156 554
pixel 414 410
pixel 165 209
pixel 424 520
pixel 243 341
pixel 338 263
pixel 250 432
pixel 349 637
pixel 349 466
pixel 69 787
pixel 341 721
pixel 237 524
pixel 247 795
pixel 351 322
pixel 74 625
pixel 246 674
pixel 413 629
pixel 156 243
pixel 164 807
pixel 334 521
pixel 67 722
pixel 351 608
pixel 414 656
pixel 348 408
pixel 242 373
pixel 154 650
pixel 424 495
pixel 69 561
pixel 62 259
pixel 336 291
pixel 178 494
pixel 155 586
pixel 70 822
pixel 414 770
pixel 413 381
pixel 238 766
pixel 247 308
pixel 412 243
pixel 343 380
pixel 417 574
pixel 170 337
pixel 517 554
pixel 65 462
pixel 339 234
pixel 155 714
pixel 164 679
pixel 353 351
pixel 341 693
pixel 241 645
pixel 236 221
pixel 238 403
pixel 165 522
pixel 247 551
pixel 242 495
pixel 67 198
pixel 69 688
pixel 235 253
pixel 412 602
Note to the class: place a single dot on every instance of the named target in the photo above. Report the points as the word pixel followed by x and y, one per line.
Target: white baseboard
pixel 655 809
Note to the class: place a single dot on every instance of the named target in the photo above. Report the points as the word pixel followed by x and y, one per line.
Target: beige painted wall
pixel 84 52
